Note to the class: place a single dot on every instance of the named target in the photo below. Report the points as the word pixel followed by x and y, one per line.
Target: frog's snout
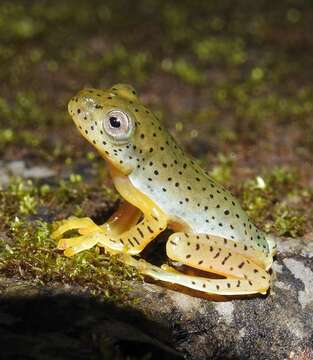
pixel 80 103
pixel 80 107
pixel 71 107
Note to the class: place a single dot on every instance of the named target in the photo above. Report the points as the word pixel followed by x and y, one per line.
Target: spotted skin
pixel 153 174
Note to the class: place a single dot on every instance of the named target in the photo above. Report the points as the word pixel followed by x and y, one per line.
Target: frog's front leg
pixel 137 237
pixel 130 242
pixel 125 217
pixel 243 276
pixel 74 223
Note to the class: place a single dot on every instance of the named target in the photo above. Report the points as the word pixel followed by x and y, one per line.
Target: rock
pixel 278 326
pixel 18 168
pixel 167 324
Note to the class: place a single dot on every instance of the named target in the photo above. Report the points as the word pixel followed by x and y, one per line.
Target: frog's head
pixel 117 124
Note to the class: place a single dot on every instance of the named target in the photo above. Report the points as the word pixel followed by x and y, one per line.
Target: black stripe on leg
pixel 140 232
pixel 150 230
pixel 135 239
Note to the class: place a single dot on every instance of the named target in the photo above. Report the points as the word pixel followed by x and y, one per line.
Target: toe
pixel 72 223
pixel 90 229
pixel 62 244
pixel 69 252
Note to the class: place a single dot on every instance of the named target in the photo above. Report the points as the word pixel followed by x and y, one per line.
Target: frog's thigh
pixel 243 276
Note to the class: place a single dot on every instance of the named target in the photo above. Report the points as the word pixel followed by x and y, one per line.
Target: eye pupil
pixel 114 122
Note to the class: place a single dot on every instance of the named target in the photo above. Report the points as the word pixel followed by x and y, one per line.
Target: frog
pixel 164 188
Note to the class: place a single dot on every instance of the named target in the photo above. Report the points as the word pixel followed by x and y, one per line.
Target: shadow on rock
pixel 61 326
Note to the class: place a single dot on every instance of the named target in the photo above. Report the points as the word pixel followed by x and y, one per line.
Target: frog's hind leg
pixel 211 254
pixel 243 276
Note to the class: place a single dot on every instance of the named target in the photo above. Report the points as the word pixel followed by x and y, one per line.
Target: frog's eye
pixel 118 125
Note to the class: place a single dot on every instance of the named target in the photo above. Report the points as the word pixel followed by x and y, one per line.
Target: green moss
pixel 6 137
pixel 23 109
pixel 19 199
pixel 127 63
pixel 184 70
pixel 214 50
pixel 18 24
pixel 73 196
pixel 27 251
pixel 33 256
pixel 222 172
pixel 289 221
pixel 277 202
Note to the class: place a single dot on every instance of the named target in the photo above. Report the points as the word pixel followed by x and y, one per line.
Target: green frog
pixel 163 188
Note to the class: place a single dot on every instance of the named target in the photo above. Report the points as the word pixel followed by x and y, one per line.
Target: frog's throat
pixel 115 167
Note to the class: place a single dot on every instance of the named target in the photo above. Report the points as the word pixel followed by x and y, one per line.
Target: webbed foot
pixel 74 245
pixel 90 234
pixel 84 226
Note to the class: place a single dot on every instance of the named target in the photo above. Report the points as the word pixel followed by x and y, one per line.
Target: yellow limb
pixel 125 217
pixel 134 196
pixel 77 244
pixel 243 276
pixel 120 233
pixel 73 223
pixel 135 239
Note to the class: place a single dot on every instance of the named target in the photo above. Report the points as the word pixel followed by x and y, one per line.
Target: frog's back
pixel 190 197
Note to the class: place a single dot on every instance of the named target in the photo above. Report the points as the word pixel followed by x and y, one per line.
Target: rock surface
pixel 66 323
pixel 18 168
